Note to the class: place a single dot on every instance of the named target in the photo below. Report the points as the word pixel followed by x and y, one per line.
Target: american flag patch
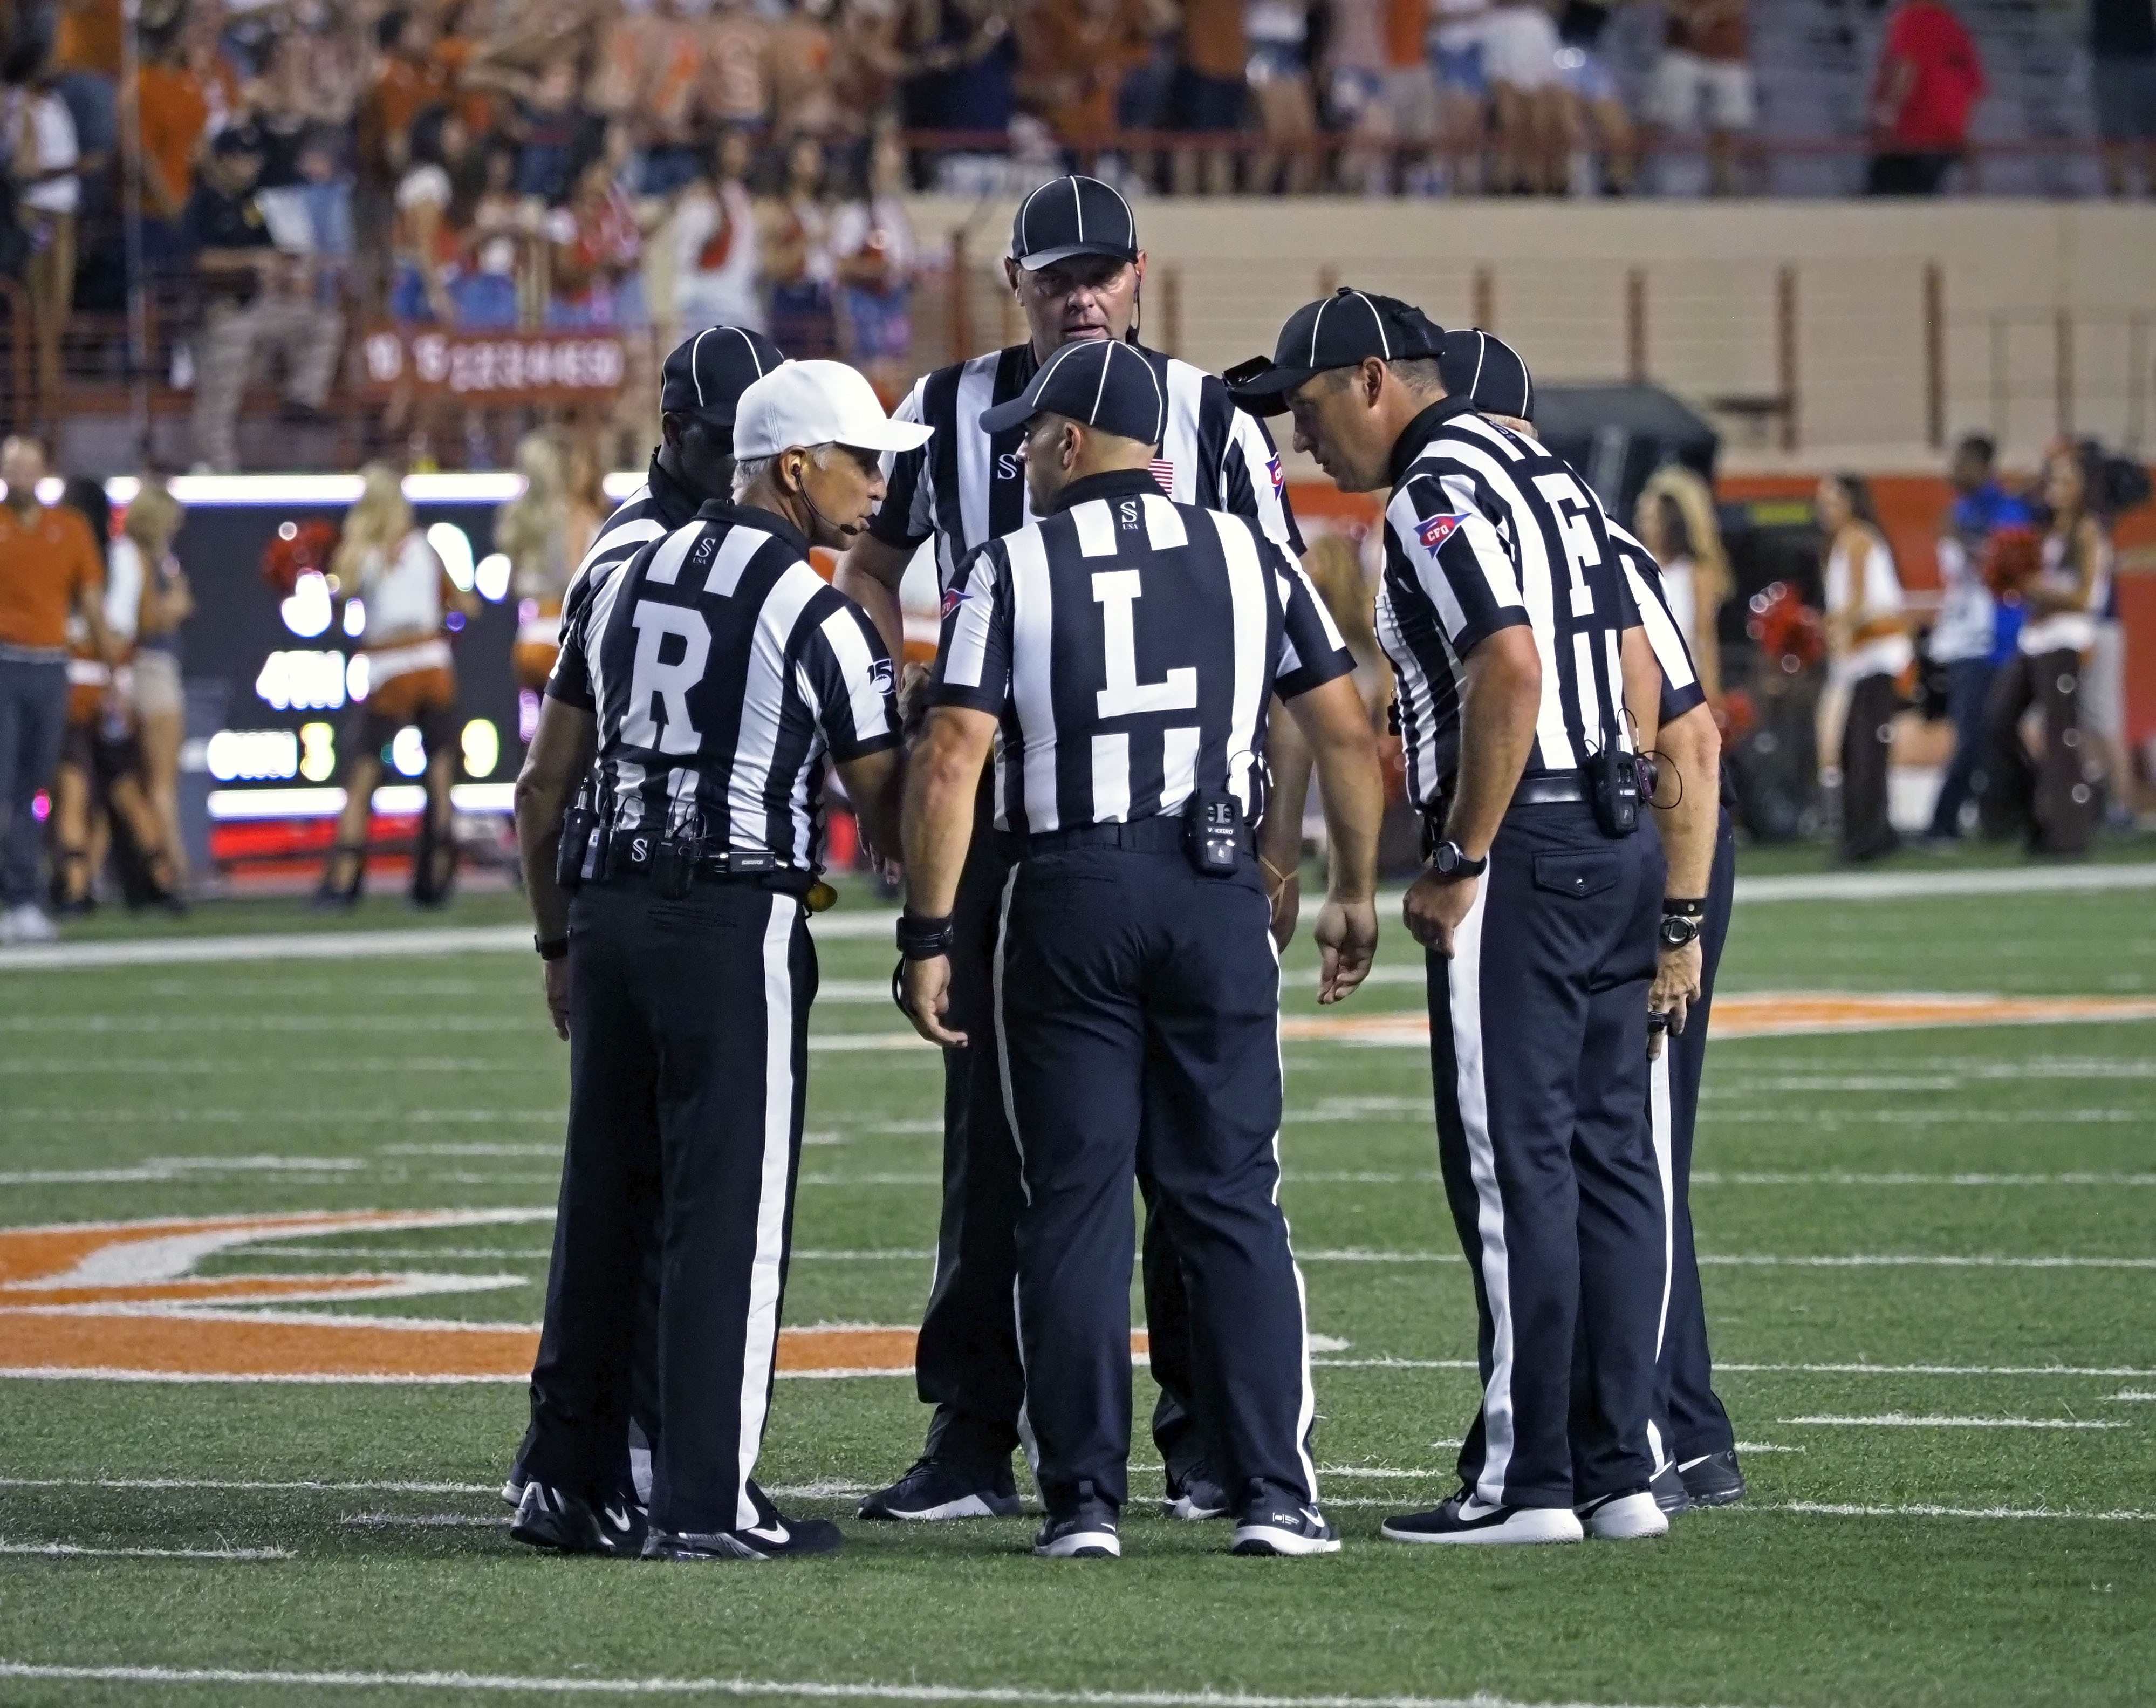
pixel 1163 473
pixel 1434 531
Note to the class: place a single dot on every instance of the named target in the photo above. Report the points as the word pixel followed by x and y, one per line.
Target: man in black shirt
pixel 257 301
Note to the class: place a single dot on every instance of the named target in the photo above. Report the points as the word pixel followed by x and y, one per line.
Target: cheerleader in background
pixel 1868 649
pixel 143 555
pixel 407 602
pixel 545 532
pixel 1676 522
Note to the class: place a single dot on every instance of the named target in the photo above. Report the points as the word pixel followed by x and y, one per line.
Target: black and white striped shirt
pixel 1128 647
pixel 651 513
pixel 723 671
pixel 1486 530
pixel 966 487
pixel 1643 577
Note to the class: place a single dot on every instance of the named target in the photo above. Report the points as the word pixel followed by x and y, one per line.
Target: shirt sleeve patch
pixel 1434 531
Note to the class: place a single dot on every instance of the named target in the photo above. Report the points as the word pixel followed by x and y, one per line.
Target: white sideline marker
pixel 805 1690
pixel 1903 1420
pixel 68 1551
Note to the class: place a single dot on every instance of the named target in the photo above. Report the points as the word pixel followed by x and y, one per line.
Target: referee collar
pixel 1408 445
pixel 747 515
pixel 1111 483
pixel 675 501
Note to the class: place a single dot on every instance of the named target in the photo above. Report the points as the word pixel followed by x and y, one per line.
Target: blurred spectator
pixel 1867 651
pixel 309 88
pixel 1354 85
pixel 873 256
pixel 1532 156
pixel 1278 32
pixel 485 288
pixel 596 245
pixel 54 569
pixel 867 64
pixel 797 61
pixel 42 161
pixel 659 89
pixel 1596 116
pixel 1962 637
pixel 2055 798
pixel 428 245
pixel 1459 61
pixel 736 93
pixel 1704 76
pixel 408 77
pixel 256 302
pixel 794 229
pixel 174 111
pixel 1929 81
pixel 550 128
pixel 85 74
pixel 144 567
pixel 1072 61
pixel 716 267
pixel 1209 91
pixel 965 61
pixel 1676 523
pixel 2122 55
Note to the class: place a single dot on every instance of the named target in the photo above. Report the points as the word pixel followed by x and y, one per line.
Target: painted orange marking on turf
pixel 1790 1015
pixel 186 1325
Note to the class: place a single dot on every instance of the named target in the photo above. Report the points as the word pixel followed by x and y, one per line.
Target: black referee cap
pixel 706 373
pixel 1483 367
pixel 1073 216
pixel 1341 331
pixel 1100 382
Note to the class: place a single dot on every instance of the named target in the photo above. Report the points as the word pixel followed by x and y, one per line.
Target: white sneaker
pixel 1623 1518
pixel 28 924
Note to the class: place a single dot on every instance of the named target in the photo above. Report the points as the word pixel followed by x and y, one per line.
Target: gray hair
pixel 749 470
pixel 1422 374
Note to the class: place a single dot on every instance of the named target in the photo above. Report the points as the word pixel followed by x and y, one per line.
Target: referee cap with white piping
pixel 1339 330
pixel 708 371
pixel 802 405
pixel 1483 367
pixel 1097 382
pixel 1073 216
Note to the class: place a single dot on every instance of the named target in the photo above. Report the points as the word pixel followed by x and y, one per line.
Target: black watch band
pixel 1448 859
pixel 551 948
pixel 923 939
pixel 1684 907
pixel 1677 931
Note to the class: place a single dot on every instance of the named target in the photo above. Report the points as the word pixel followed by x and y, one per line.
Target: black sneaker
pixel 1087 1531
pixel 1668 1488
pixel 1196 1495
pixel 933 1490
pixel 773 1536
pixel 1271 1524
pixel 1713 1479
pixel 551 1518
pixel 1464 1519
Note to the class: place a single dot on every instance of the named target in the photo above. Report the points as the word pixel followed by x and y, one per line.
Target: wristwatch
pixel 1449 860
pixel 1678 929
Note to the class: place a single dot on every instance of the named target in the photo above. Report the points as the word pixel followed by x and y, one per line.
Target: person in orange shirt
pixel 172 113
pixel 49 567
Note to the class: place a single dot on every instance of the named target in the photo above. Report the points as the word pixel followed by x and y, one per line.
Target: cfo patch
pixel 1434 531
pixel 954 597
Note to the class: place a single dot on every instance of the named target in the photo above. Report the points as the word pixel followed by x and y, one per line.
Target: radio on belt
pixel 1213 832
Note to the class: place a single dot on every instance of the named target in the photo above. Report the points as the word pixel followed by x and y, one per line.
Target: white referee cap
pixel 801 404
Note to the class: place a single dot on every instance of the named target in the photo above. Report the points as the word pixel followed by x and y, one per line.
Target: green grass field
pixel 1953 1463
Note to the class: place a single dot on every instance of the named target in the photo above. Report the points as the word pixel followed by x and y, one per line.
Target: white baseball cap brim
pixel 799 404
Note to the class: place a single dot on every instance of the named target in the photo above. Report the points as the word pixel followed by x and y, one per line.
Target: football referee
pixel 700 386
pixel 700 693
pixel 1077 272
pixel 1120 656
pixel 1506 615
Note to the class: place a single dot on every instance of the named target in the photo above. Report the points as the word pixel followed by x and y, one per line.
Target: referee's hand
pixel 927 987
pixel 1678 973
pixel 554 979
pixel 1346 935
pixel 1434 908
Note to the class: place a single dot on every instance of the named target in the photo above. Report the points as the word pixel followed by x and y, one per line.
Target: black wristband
pixel 1684 907
pixel 551 948
pixel 923 939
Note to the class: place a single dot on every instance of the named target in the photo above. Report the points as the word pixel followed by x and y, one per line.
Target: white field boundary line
pixel 2108 1372
pixel 1996 881
pixel 245 1486
pixel 1903 1420
pixel 1884 1260
pixel 64 1550
pixel 1823 1509
pixel 803 1690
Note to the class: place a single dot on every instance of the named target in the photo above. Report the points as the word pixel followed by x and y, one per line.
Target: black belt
pixel 631 856
pixel 1147 836
pixel 1552 788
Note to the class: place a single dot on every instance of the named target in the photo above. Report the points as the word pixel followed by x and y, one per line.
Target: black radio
pixel 1613 787
pixel 1213 833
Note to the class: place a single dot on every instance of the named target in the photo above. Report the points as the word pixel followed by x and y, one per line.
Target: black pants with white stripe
pixel 1538 1050
pixel 1139 1024
pixel 688 1058
pixel 1689 1422
pixel 967 1364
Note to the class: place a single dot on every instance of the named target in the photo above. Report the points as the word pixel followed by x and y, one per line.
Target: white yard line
pixel 224 1485
pixel 1903 1420
pixel 57 1550
pixel 1994 880
pixel 1831 1510
pixel 804 1689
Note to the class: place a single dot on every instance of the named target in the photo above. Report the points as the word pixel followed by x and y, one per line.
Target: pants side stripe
pixel 1025 1435
pixel 760 1344
pixel 1659 1123
pixel 1306 1408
